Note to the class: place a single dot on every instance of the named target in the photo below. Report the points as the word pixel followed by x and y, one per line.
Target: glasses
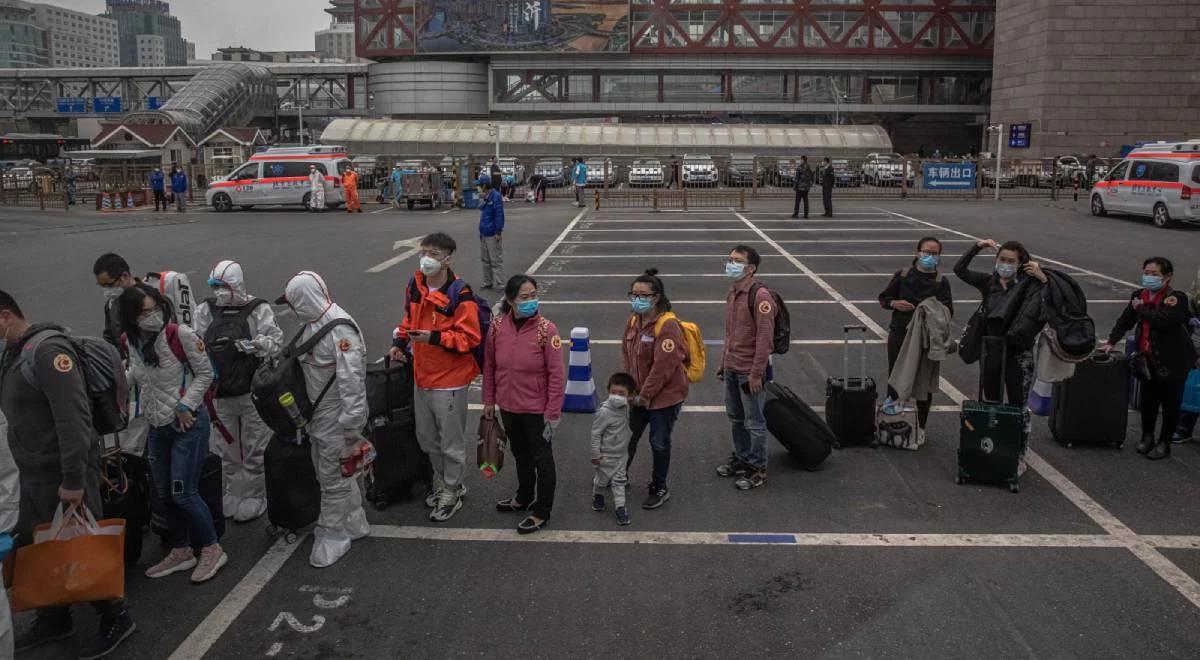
pixel 640 296
pixel 433 254
pixel 735 261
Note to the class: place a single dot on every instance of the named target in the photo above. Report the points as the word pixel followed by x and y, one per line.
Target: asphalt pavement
pixel 879 554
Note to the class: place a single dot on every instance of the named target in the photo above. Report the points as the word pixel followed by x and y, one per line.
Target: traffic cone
pixel 105 202
pixel 581 388
pixel 129 201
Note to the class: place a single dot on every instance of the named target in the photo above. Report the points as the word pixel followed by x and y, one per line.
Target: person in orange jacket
pixel 350 189
pixel 441 328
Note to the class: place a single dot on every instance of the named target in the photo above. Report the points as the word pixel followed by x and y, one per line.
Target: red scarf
pixel 1152 301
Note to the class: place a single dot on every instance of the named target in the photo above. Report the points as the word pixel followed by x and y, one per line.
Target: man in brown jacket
pixel 749 331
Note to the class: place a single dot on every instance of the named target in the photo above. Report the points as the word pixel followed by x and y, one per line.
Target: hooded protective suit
pixel 242 460
pixel 340 417
pixel 316 184
pixel 10 506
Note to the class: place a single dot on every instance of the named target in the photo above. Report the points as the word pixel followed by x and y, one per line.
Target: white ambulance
pixel 1160 181
pixel 279 177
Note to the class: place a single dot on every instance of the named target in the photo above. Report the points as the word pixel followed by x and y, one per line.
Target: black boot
pixel 50 625
pixel 1160 451
pixel 1145 444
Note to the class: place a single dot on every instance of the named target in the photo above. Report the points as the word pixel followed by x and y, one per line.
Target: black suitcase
pixel 389 387
pixel 991 436
pixel 797 427
pixel 127 489
pixel 293 493
pixel 399 462
pixel 212 491
pixel 1090 407
pixel 850 402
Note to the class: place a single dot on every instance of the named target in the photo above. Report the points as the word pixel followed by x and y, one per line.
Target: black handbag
pixel 1139 366
pixel 970 346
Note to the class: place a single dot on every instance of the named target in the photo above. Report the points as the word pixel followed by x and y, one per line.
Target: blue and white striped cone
pixel 581 388
pixel 105 202
pixel 129 201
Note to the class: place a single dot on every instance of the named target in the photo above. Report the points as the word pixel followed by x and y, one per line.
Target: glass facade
pixel 23 45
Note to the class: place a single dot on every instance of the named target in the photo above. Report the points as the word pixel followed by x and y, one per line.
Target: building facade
pixel 23 43
pixel 147 17
pixel 337 40
pixel 189 50
pixel 78 39
pixel 152 50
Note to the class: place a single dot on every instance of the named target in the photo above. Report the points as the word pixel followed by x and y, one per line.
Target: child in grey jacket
pixel 610 445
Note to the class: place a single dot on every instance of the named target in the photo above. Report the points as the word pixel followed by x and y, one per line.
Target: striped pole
pixel 581 388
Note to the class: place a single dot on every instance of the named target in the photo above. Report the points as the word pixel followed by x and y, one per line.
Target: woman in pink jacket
pixel 523 375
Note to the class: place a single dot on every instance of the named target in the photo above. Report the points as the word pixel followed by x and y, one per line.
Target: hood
pixel 307 295
pixel 229 273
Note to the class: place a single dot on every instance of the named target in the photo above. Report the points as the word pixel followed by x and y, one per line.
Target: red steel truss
pixel 384 28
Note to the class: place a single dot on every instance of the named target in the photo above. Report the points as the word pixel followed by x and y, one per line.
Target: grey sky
pixel 260 24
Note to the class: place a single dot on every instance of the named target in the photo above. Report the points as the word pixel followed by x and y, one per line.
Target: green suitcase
pixel 991 441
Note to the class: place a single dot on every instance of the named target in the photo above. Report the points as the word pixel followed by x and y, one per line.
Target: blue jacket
pixel 580 175
pixel 179 182
pixel 157 181
pixel 491 215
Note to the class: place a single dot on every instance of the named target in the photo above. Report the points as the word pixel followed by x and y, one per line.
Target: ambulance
pixel 1160 181
pixel 279 177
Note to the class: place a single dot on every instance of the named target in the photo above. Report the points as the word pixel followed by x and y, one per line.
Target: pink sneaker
pixel 179 559
pixel 212 559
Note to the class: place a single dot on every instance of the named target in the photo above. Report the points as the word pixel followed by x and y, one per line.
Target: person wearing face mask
pixel 113 277
pixel 337 367
pixel 491 226
pixel 1013 318
pixel 653 352
pixel 1160 317
pixel 523 377
pixel 56 454
pixel 441 328
pixel 316 187
pixel 610 445
pixel 158 185
pixel 749 337
pixel 173 389
pixel 908 288
pixel 239 332
pixel 179 188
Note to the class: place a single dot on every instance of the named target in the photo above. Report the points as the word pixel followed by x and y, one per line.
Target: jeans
pixel 661 423
pixel 1167 394
pixel 536 476
pixel 746 418
pixel 176 461
pixel 181 201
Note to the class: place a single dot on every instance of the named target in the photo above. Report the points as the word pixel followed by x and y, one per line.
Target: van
pixel 1160 181
pixel 279 177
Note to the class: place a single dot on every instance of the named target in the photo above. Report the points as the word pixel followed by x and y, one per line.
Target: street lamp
pixel 494 131
pixel 298 107
pixel 998 129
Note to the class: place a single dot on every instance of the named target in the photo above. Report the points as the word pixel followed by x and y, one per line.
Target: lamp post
pixel 998 129
pixel 299 108
pixel 494 131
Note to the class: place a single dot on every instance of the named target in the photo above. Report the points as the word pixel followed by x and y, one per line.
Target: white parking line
pixel 386 208
pixel 967 301
pixel 718 342
pixel 723 255
pixel 554 245
pixel 721 409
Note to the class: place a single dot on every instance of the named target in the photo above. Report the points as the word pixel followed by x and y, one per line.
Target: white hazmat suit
pixel 339 419
pixel 242 460
pixel 316 184
pixel 10 508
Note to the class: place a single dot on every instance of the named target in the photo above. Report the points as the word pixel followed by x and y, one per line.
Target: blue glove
pixel 6 545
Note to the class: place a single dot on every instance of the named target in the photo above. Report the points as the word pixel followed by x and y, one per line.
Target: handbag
pixel 490 450
pixel 1191 392
pixel 74 559
pixel 1139 366
pixel 970 346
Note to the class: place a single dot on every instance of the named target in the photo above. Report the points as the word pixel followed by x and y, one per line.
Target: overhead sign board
pixel 107 104
pixel 522 26
pixel 153 103
pixel 71 104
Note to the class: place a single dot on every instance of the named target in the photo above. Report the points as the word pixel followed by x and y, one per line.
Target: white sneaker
pixel 447 505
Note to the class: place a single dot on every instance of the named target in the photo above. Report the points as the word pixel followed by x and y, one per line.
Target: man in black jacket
pixel 803 183
pixel 827 182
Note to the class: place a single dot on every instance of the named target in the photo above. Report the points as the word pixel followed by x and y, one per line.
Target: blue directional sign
pixel 153 103
pixel 949 176
pixel 106 104
pixel 71 104
pixel 1019 136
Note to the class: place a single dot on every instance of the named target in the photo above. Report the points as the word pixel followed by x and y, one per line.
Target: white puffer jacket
pixel 166 386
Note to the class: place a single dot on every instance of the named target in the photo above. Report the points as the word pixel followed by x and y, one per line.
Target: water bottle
pixel 289 404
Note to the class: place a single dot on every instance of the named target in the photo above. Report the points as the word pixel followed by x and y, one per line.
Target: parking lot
pixel 878 554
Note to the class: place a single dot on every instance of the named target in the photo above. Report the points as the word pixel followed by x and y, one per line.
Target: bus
pixel 18 149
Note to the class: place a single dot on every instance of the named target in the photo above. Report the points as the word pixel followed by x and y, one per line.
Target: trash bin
pixel 470 199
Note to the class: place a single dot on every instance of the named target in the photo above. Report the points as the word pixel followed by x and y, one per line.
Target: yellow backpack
pixel 696 360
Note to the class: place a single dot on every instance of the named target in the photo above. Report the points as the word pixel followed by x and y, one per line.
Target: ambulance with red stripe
pixel 1160 180
pixel 279 177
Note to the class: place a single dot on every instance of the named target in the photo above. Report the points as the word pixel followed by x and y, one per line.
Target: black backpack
pixel 234 368
pixel 285 375
pixel 782 341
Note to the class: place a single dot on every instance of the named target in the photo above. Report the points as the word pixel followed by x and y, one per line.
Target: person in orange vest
pixel 350 189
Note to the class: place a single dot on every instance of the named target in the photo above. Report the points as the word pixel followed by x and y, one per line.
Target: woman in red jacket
pixel 523 375
pixel 652 351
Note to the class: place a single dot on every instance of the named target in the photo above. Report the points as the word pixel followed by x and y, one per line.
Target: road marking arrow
pixel 413 243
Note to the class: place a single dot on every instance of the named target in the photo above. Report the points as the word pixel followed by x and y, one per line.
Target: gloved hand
pixel 6 545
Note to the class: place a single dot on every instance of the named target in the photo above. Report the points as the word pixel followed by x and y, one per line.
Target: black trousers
pixel 894 342
pixel 827 200
pixel 536 475
pixel 160 197
pixel 1003 382
pixel 801 195
pixel 1166 394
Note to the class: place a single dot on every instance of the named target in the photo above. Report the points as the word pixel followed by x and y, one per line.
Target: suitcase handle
pixel 846 330
pixel 1100 357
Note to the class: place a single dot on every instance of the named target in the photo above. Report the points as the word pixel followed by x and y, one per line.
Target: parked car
pixel 988 174
pixel 1075 167
pixel 785 172
pixel 743 170
pixel 552 171
pixel 1159 180
pixel 846 174
pixel 885 169
pixel 510 167
pixel 647 173
pixel 699 170
pixel 279 176
pixel 596 168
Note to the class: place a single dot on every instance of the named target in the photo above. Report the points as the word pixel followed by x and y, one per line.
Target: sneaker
pixel 47 627
pixel 752 480
pixel 110 635
pixel 179 559
pixel 656 498
pixel 622 516
pixel 447 505
pixel 431 498
pixel 531 524
pixel 1181 437
pixel 733 467
pixel 212 559
pixel 598 502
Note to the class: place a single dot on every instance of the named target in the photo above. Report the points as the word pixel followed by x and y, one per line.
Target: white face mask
pixel 152 323
pixel 430 266
pixel 617 400
pixel 111 293
pixel 224 296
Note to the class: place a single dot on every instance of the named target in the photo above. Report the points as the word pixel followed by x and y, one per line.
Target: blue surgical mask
pixel 641 304
pixel 735 270
pixel 1152 282
pixel 928 261
pixel 527 308
pixel 1006 271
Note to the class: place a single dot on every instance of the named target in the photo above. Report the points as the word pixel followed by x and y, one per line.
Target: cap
pixel 484 181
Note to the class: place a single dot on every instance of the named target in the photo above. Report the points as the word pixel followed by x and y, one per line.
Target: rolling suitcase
pixel 399 462
pixel 801 431
pixel 850 402
pixel 293 494
pixel 127 487
pixel 211 490
pixel 1089 407
pixel 389 387
pixel 991 438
